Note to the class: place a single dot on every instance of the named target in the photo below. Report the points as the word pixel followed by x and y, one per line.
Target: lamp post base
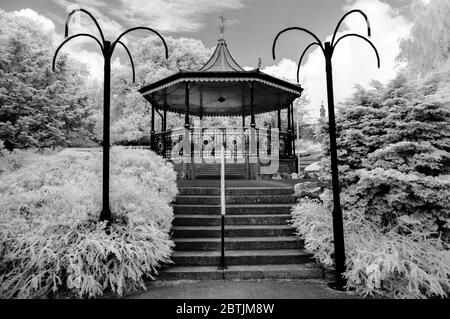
pixel 337 286
pixel 105 214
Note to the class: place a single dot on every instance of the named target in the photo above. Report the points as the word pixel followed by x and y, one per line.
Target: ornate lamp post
pixel 328 50
pixel 107 49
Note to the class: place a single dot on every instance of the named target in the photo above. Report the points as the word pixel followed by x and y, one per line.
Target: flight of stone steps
pixel 259 242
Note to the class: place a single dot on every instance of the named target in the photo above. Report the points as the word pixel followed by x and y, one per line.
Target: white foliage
pixel 51 240
pixel 378 262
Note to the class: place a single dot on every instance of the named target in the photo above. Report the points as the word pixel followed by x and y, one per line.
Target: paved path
pixel 243 289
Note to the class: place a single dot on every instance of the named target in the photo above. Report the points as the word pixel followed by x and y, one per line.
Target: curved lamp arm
pixel 345 16
pixel 70 38
pixel 141 28
pixel 66 30
pixel 301 58
pixel 319 43
pixel 131 59
pixel 361 37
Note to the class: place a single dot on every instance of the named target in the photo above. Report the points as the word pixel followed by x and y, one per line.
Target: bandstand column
pixel 186 103
pixel 152 130
pixel 292 128
pixel 243 109
pixel 164 128
pixel 253 151
pixel 289 130
pixel 165 121
pixel 201 106
pixel 279 118
pixel 252 102
pixel 187 154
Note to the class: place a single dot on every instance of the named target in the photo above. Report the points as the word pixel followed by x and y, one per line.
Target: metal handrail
pixel 243 133
pixel 222 208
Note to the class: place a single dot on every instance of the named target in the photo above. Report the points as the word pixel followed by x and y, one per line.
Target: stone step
pixel 232 231
pixel 233 209
pixel 191 273
pixel 309 270
pixel 215 220
pixel 241 191
pixel 196 220
pixel 241 257
pixel 245 199
pixel 231 169
pixel 239 243
pixel 235 191
pixel 201 191
pixel 287 271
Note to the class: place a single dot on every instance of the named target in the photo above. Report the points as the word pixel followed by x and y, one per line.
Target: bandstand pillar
pixel 292 129
pixel 279 118
pixel 186 104
pixel 152 130
pixel 253 168
pixel 289 130
pixel 252 107
pixel 187 150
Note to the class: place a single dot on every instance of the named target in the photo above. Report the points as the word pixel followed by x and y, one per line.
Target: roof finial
pixel 222 26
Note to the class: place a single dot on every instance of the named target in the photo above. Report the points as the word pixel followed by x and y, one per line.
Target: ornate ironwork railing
pixel 206 143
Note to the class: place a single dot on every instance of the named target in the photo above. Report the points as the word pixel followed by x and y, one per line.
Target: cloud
pixel 75 48
pixel 46 25
pixel 354 61
pixel 93 60
pixel 285 70
pixel 82 23
pixel 163 15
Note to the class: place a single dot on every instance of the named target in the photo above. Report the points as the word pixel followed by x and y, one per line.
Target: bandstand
pixel 223 88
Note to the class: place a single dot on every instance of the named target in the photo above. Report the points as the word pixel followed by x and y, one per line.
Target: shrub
pixel 379 261
pixel 394 154
pixel 51 240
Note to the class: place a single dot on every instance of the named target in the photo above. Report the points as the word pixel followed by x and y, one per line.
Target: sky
pixel 251 28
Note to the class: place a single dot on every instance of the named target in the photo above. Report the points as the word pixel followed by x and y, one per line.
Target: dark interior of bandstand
pixel 223 88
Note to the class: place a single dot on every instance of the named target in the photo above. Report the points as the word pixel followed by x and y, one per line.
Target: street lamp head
pixel 301 59
pixel 318 42
pixel 66 29
pixel 166 50
pixel 345 16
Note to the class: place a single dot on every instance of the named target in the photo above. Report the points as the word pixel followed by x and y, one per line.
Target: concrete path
pixel 241 289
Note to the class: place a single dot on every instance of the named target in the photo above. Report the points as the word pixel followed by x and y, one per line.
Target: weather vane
pixel 222 26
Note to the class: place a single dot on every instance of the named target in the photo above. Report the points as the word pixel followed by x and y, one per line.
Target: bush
pixel 394 154
pixel 51 240
pixel 379 261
